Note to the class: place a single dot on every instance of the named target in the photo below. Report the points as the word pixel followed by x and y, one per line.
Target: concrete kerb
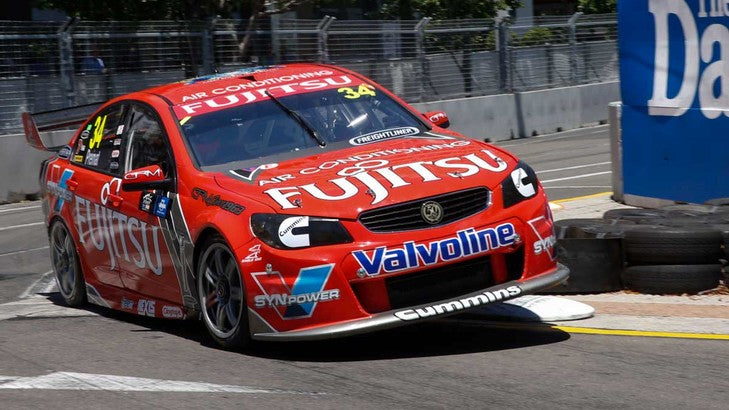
pixel 695 316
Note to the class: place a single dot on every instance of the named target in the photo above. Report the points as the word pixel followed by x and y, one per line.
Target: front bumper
pixel 400 317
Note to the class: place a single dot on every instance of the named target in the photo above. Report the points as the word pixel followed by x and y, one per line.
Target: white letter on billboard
pixel 660 104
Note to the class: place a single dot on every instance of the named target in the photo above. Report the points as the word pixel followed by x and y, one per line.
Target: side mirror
pixel 149 177
pixel 438 118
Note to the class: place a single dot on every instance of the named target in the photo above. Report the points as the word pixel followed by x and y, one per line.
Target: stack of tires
pixel 676 249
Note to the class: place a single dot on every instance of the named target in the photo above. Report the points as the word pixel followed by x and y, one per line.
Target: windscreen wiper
pixel 295 115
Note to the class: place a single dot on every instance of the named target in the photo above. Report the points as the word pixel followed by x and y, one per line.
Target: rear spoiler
pixel 67 119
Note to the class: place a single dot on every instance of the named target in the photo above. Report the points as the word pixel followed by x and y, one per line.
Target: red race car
pixel 287 202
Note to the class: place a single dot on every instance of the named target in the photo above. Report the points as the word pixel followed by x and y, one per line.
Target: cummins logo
pixel 459 304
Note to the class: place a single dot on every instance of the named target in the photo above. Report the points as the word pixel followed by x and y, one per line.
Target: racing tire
pixel 221 293
pixel 66 265
pixel 657 245
pixel 679 210
pixel 633 214
pixel 676 279
pixel 583 227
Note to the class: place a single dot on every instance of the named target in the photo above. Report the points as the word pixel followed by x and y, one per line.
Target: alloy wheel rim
pixel 64 262
pixel 221 291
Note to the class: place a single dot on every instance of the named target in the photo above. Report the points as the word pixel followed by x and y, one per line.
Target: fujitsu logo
pixel 370 175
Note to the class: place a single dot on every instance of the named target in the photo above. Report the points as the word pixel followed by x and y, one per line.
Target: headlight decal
pixel 520 185
pixel 295 231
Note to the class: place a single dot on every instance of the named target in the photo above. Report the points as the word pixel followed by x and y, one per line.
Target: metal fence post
pixel 323 36
pixel 420 55
pixel 573 46
pixel 65 54
pixel 207 44
pixel 502 46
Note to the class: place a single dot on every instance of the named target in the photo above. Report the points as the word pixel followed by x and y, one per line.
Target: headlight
pixel 291 232
pixel 520 185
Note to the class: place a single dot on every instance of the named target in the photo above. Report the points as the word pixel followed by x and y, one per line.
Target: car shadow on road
pixel 437 338
pixel 461 334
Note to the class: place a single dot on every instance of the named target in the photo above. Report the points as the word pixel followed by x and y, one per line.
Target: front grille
pixel 406 216
pixel 439 283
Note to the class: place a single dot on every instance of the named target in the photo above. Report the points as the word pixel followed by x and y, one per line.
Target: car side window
pixel 148 145
pixel 100 144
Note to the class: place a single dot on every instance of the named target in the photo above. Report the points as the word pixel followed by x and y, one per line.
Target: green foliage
pixel 598 6
pixel 533 37
pixel 443 9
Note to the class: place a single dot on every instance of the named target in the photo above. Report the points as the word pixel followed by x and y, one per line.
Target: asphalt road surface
pixel 55 357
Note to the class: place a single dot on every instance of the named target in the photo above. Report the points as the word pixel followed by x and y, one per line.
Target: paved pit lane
pixel 56 357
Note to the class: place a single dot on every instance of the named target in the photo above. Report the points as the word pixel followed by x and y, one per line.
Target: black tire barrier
pixel 680 210
pixel 595 265
pixel 662 279
pixel 718 202
pixel 673 246
pixel 580 227
pixel 632 214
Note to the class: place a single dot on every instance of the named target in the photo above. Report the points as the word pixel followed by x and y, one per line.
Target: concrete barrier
pixel 497 117
pixel 526 114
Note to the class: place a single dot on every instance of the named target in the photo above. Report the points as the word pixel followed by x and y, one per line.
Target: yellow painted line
pixel 541 326
pixel 184 120
pixel 555 207
pixel 640 333
pixel 599 194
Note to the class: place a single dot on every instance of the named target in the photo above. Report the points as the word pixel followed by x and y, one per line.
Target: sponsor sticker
pixel 161 207
pixel 92 159
pixel 214 200
pixel 117 141
pixel 172 312
pixel 78 158
pixel 383 135
pixel 411 255
pixel 64 152
pixel 146 307
pixel 127 304
pixel 297 300
pixel 146 201
pixel 115 153
pixel 255 251
pixel 457 305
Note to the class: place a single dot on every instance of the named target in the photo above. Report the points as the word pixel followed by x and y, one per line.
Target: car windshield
pixel 251 131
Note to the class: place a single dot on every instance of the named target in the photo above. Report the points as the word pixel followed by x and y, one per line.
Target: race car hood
pixel 343 183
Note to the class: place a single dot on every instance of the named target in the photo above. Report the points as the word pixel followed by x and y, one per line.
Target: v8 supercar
pixel 286 203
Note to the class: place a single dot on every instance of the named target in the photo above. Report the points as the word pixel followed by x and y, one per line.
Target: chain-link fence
pixel 46 65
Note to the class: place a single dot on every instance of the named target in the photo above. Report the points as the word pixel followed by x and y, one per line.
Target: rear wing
pixel 55 126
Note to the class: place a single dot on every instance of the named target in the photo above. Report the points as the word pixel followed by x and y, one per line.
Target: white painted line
pixel 556 136
pixel 39 285
pixel 575 167
pixel 19 208
pixel 577 176
pixel 104 382
pixel 5 228
pixel 23 251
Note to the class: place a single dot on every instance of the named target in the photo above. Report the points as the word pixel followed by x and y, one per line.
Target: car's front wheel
pixel 221 295
pixel 66 265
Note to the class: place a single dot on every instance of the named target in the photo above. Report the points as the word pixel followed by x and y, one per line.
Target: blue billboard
pixel 674 81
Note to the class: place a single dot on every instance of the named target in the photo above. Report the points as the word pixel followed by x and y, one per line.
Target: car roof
pixel 230 82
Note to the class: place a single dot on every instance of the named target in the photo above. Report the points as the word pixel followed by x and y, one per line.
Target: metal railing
pixel 49 65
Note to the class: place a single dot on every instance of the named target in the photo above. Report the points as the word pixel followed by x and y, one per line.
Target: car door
pixel 149 270
pixel 94 178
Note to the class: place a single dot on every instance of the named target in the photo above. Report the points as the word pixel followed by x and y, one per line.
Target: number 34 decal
pixel 363 89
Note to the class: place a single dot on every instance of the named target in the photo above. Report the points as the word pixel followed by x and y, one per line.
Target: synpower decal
pixel 299 300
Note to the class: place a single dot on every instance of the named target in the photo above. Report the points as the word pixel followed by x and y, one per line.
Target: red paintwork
pixel 130 275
